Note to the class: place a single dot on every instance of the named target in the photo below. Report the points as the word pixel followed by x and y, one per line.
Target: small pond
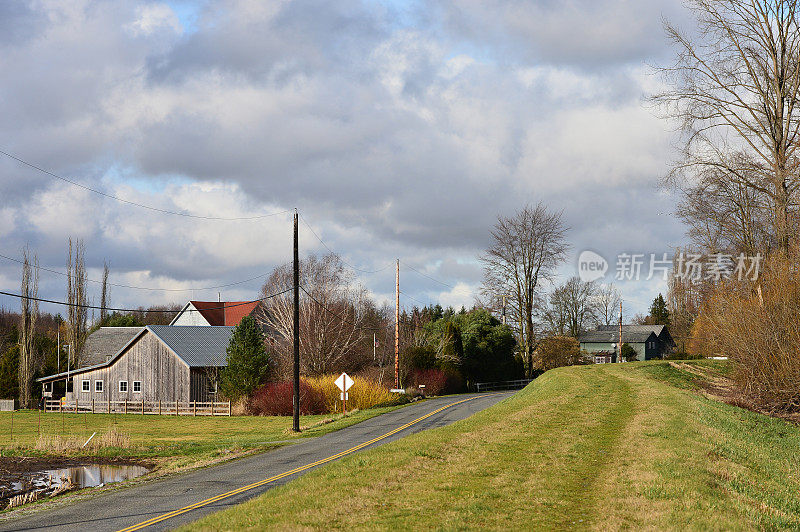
pixel 82 476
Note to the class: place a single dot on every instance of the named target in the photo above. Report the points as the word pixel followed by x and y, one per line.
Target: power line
pixel 224 306
pixel 340 258
pixel 135 204
pixel 324 307
pixel 412 299
pixel 63 274
pixel 426 275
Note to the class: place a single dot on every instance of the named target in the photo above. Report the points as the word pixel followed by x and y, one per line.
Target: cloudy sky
pixel 397 129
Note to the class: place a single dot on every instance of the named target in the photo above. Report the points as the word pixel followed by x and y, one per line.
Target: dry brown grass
pixel 58 444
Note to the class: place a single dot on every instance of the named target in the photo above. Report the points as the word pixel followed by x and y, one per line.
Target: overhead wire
pixel 133 287
pixel 136 204
pixel 114 309
pixel 426 275
pixel 414 300
pixel 338 315
pixel 356 268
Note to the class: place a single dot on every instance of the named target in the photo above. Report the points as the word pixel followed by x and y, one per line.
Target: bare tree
pixel 27 329
pixel 526 248
pixel 331 316
pixel 76 299
pixel 735 90
pixel 606 303
pixel 572 308
pixel 724 214
pixel 104 294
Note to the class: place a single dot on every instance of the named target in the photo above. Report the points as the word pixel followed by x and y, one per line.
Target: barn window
pixel 98 386
pixel 85 386
pixel 137 386
pixel 48 386
pixel 123 386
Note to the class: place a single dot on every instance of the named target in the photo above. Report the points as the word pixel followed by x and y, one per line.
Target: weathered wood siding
pixel 200 386
pixel 164 376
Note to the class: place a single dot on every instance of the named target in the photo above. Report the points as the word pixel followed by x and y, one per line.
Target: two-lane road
pixel 173 501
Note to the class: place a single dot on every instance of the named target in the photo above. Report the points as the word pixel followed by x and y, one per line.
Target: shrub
pixel 276 399
pixel 437 381
pixel 629 354
pixel 755 323
pixel 365 393
pixel 558 351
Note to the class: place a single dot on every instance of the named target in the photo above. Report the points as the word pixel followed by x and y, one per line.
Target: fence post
pixel 142 406
pixel 229 408
pixel 194 412
pixel 61 406
pixel 176 407
pixel 92 405
pixel 159 407
pixel 126 405
pixel 108 406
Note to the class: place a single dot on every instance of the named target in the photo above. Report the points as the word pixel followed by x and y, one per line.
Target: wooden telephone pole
pixel 397 329
pixel 620 332
pixel 296 335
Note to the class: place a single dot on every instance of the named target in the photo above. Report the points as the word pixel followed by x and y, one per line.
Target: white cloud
pixel 393 139
pixel 154 17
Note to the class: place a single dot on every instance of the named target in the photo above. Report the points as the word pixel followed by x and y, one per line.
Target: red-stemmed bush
pixel 437 381
pixel 275 399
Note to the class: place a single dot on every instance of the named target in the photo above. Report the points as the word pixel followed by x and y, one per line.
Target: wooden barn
pixel 161 363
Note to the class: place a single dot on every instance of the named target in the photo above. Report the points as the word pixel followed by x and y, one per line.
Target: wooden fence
pixel 164 408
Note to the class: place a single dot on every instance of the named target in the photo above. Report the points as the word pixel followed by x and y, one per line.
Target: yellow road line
pixel 237 491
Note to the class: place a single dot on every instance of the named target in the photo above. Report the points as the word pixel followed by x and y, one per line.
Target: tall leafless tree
pixel 606 302
pixel 104 293
pixel 572 308
pixel 525 250
pixel 77 312
pixel 27 330
pixel 735 89
pixel 331 316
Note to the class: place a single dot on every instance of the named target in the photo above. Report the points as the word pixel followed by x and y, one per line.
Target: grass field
pixel 152 436
pixel 599 447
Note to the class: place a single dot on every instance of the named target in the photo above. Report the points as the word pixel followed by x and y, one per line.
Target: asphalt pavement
pixel 176 500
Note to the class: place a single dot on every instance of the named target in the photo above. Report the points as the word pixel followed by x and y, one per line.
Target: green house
pixel 649 341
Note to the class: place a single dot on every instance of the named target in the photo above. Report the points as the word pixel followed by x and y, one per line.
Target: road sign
pixel 344 396
pixel 344 382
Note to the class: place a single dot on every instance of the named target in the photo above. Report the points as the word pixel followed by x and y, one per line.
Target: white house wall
pixel 190 316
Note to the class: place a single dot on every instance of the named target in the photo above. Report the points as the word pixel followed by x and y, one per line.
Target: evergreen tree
pixel 248 361
pixel 659 314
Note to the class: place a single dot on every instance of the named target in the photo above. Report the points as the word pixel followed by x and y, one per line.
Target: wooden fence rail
pixel 164 408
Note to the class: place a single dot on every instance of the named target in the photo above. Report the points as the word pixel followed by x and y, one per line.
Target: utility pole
pixel 397 329
pixel 296 346
pixel 504 310
pixel 620 332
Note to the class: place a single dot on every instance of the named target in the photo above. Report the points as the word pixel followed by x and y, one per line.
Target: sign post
pixel 344 382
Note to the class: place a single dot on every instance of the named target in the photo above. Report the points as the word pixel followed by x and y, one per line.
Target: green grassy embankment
pixel 600 447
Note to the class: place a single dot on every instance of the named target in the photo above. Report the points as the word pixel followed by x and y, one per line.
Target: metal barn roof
pixel 106 342
pixel 197 345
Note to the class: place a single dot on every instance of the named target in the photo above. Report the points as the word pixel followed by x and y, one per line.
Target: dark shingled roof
pixel 197 345
pixel 105 342
pixel 629 336
pixel 633 328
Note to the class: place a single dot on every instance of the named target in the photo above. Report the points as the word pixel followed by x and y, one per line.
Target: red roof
pixel 230 315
